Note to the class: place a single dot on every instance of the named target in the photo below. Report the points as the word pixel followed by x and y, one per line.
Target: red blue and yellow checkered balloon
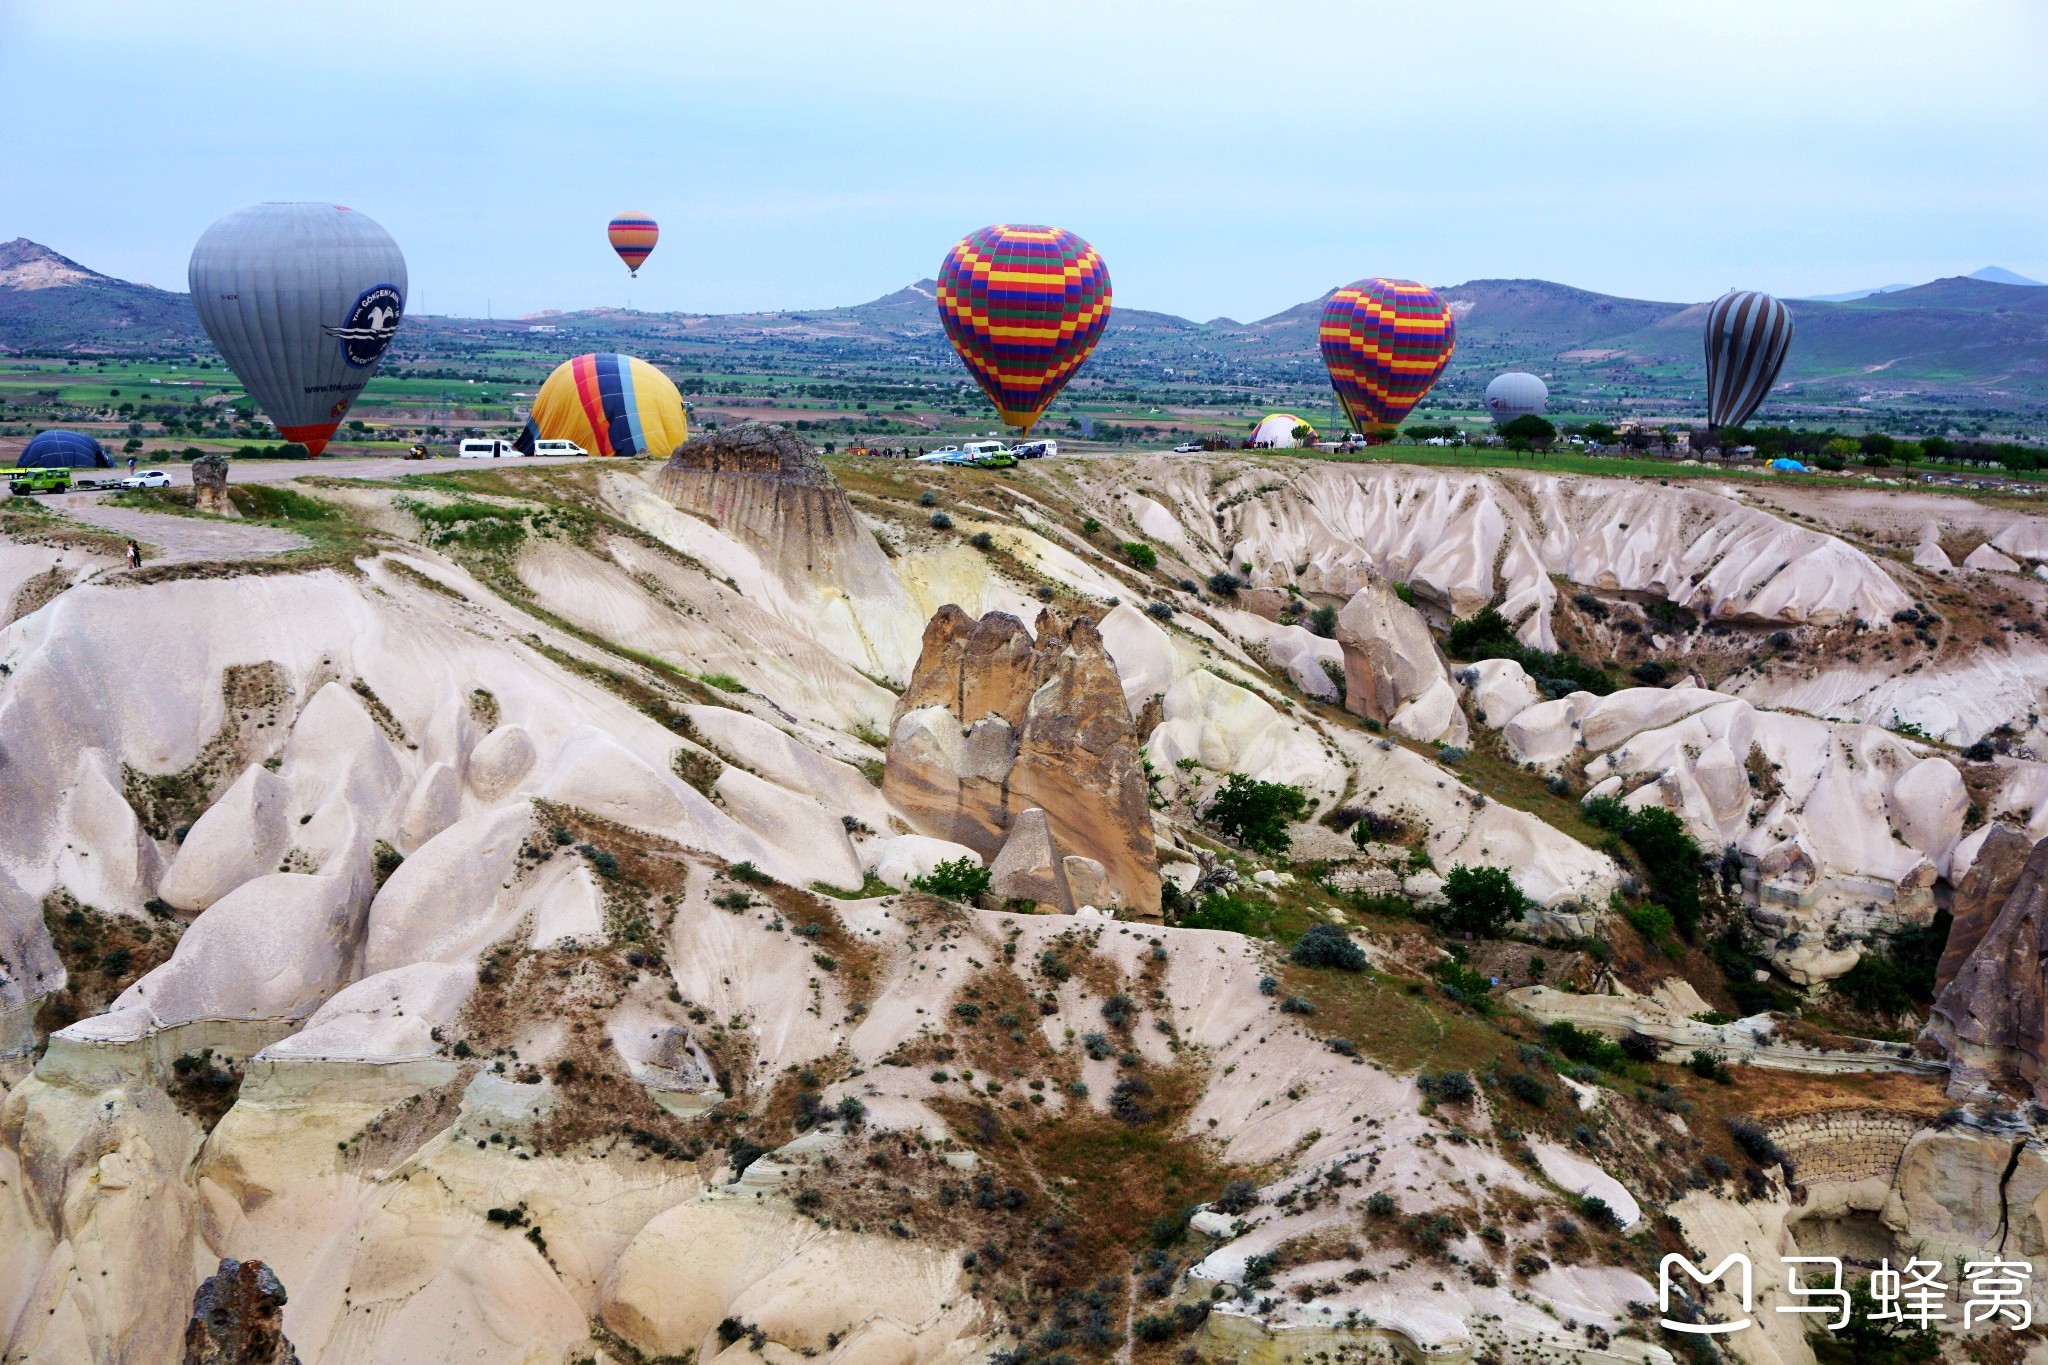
pixel 1024 306
pixel 1385 342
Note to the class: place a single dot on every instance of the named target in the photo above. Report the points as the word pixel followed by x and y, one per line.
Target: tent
pixel 1789 466
pixel 1276 431
pixel 60 449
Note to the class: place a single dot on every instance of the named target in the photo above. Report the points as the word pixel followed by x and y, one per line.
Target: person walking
pixel 131 466
pixel 134 554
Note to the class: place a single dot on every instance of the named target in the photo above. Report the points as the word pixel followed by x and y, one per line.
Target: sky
pixel 1227 159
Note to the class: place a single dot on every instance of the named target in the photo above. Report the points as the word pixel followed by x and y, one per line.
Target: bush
pixel 1526 1088
pixel 959 879
pixel 1297 1004
pixel 1380 1204
pixel 1670 857
pixel 1256 813
pixel 1481 901
pixel 1141 554
pixel 1489 635
pixel 1159 611
pixel 1581 1045
pixel 1239 1196
pixel 1323 621
pixel 1650 673
pixel 1327 945
pixel 1447 1087
pixel 1225 584
pixel 1228 913
pixel 1599 1213
pixel 941 522
pixel 927 499
pixel 982 540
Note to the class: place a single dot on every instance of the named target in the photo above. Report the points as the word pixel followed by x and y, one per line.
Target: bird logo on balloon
pixel 371 324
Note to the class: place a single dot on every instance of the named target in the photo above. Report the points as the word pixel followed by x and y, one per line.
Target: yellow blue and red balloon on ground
pixel 609 405
pixel 1023 305
pixel 1385 342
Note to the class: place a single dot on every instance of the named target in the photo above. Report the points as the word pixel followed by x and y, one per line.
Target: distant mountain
pixel 50 302
pixel 1855 294
pixel 1972 340
pixel 1998 274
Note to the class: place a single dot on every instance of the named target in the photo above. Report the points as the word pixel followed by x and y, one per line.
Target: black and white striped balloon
pixel 1748 334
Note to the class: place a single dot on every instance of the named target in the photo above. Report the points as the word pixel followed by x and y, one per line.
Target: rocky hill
pixel 50 303
pixel 769 907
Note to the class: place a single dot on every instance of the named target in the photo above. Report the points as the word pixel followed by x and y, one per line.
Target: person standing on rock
pixel 134 553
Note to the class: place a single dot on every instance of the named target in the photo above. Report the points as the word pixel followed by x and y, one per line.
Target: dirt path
pixel 174 539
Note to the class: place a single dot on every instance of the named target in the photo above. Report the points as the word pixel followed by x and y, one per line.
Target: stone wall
pixel 1846 1145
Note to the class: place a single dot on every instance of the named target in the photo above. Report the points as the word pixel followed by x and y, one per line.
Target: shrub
pixel 1323 621
pixel 1465 984
pixel 1582 1045
pixel 1599 1213
pixel 1489 635
pixel 1228 913
pixel 1239 1196
pixel 1447 1087
pixel 927 499
pixel 1154 1329
pixel 941 522
pixel 958 879
pixel 1225 584
pixel 1159 611
pixel 1296 1004
pixel 1256 813
pixel 1380 1204
pixel 1640 1047
pixel 1650 673
pixel 1526 1088
pixel 1750 1136
pixel 1141 554
pixel 982 540
pixel 1670 856
pixel 1327 945
pixel 1481 901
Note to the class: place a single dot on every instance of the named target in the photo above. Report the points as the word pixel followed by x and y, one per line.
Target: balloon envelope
pixel 609 405
pixel 1023 306
pixel 633 236
pixel 301 300
pixel 1747 337
pixel 1275 431
pixel 60 449
pixel 1384 343
pixel 1516 394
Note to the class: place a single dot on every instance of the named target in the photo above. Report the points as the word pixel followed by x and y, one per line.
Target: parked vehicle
pixel 1035 450
pixel 977 449
pixel 950 455
pixel 558 448
pixel 998 459
pixel 417 453
pixel 1188 448
pixel 30 481
pixel 485 449
pixel 148 478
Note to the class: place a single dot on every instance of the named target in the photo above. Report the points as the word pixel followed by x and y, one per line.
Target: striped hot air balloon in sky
pixel 609 405
pixel 633 236
pixel 1748 334
pixel 1023 306
pixel 1385 342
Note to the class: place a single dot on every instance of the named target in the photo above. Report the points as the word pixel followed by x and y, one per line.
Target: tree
pixel 1256 813
pixel 1141 554
pixel 1304 434
pixel 1907 452
pixel 1601 432
pixel 1531 428
pixel 1481 901
pixel 959 879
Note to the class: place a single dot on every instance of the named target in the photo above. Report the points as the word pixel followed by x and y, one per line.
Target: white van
pixel 977 449
pixel 559 448
pixel 486 449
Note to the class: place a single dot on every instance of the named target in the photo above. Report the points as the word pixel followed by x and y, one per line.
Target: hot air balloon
pixel 1275 431
pixel 1747 337
pixel 1024 306
pixel 1516 394
pixel 59 449
pixel 301 300
pixel 609 405
pixel 1384 342
pixel 633 237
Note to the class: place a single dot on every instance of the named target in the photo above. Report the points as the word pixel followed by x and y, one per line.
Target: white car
pixel 1188 448
pixel 481 449
pixel 148 478
pixel 558 448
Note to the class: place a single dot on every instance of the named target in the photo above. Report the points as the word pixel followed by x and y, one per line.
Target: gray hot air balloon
pixel 1748 335
pixel 301 300
pixel 1515 395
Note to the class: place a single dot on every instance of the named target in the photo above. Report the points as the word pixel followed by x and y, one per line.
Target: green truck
pixel 27 482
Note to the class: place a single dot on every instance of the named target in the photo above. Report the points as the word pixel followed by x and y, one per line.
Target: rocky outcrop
pixel 997 721
pixel 1980 895
pixel 210 485
pixel 1989 1018
pixel 238 1318
pixel 1391 669
pixel 764 486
